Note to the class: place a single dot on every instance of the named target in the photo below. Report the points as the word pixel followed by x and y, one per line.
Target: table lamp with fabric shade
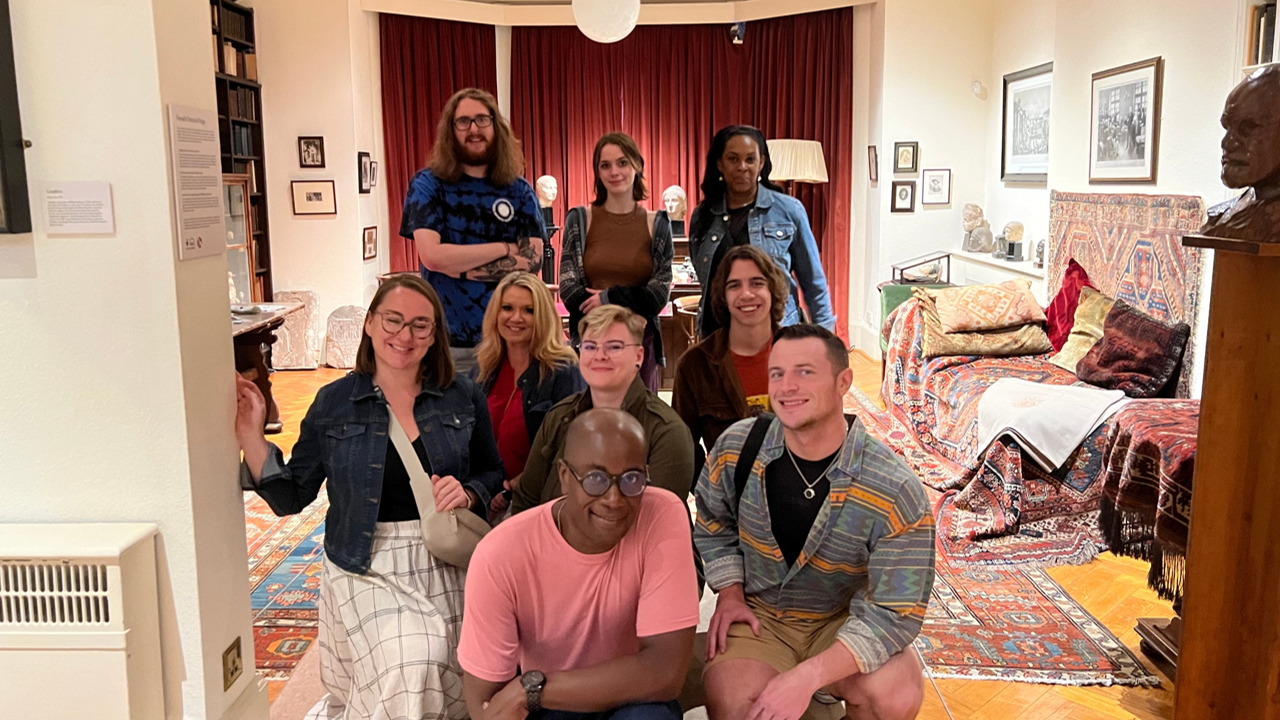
pixel 797 161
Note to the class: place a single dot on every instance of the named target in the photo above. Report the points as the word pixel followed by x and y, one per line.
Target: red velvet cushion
pixel 1137 353
pixel 1061 313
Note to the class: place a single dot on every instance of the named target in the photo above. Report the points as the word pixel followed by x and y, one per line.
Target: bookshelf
pixel 240 125
pixel 1262 42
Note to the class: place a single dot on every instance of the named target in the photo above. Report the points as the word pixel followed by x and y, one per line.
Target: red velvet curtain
pixel 671 87
pixel 424 61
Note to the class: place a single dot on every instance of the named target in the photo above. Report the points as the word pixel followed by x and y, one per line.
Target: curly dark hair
pixel 779 288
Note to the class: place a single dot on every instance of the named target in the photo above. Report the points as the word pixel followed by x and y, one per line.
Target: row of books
pixel 241 104
pixel 240 64
pixel 233 24
pixel 1262 35
pixel 241 140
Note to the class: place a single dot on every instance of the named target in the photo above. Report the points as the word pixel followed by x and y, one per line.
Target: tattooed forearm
pixel 530 251
pixel 525 255
pixel 493 271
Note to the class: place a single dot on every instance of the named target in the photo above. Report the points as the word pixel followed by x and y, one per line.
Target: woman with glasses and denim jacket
pixel 742 206
pixel 524 367
pixel 390 612
pixel 612 353
pixel 618 253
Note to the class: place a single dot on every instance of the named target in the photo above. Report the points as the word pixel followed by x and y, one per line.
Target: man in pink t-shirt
pixel 593 596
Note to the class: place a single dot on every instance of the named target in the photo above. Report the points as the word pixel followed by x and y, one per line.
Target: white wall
pixel 116 370
pixel 320 72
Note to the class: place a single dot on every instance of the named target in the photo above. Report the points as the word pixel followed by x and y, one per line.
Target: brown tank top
pixel 619 249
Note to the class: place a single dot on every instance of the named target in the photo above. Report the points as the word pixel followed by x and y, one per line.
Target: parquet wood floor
pixel 1113 589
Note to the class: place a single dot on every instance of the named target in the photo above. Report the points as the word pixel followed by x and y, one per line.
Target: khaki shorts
pixel 783 643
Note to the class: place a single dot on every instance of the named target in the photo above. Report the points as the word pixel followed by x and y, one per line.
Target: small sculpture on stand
pixel 547 189
pixel 677 205
pixel 1013 241
pixel 1251 159
pixel 1039 264
pixel 977 231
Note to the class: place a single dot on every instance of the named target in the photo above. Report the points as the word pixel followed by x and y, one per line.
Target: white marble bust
pixel 547 189
pixel 676 202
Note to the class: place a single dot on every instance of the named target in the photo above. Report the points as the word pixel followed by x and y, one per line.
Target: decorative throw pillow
pixel 1028 339
pixel 987 307
pixel 1086 328
pixel 1061 313
pixel 1137 353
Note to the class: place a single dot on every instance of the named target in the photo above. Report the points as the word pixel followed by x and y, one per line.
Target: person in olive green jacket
pixel 612 353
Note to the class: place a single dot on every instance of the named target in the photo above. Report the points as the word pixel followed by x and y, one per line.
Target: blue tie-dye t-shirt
pixel 468 212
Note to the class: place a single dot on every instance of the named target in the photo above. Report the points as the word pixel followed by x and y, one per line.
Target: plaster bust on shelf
pixel 546 189
pixel 977 231
pixel 1013 232
pixel 676 202
pixel 1251 159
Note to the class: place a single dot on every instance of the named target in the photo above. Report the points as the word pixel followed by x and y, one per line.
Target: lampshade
pixel 798 160
pixel 606 21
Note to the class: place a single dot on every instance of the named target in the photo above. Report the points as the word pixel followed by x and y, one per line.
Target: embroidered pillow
pixel 1028 339
pixel 987 307
pixel 1137 353
pixel 1086 328
pixel 1061 313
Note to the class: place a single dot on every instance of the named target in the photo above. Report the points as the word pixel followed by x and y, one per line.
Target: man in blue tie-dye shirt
pixel 472 216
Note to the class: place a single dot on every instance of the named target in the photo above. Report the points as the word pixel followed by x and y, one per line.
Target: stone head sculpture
pixel 1013 231
pixel 675 201
pixel 1251 159
pixel 972 215
pixel 547 189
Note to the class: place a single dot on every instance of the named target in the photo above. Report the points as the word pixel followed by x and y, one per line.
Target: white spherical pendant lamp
pixel 606 21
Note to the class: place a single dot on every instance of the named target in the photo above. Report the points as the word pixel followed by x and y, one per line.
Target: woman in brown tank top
pixel 616 252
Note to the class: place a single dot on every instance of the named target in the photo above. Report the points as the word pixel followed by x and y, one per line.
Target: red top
pixel 506 410
pixel 753 373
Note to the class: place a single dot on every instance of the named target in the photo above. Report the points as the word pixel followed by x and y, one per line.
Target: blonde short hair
pixel 598 321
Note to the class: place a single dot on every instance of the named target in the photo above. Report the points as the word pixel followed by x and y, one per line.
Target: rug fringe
pixel 1150 681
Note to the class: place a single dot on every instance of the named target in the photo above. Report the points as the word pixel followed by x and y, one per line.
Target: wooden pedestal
pixel 1229 656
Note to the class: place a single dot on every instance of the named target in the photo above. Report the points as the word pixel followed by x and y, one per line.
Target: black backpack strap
pixel 747 458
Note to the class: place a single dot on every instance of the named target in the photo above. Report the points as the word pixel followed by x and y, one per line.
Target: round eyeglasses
pixel 393 324
pixel 596 482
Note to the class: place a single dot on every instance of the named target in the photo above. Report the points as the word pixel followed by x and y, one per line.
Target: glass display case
pixel 241 287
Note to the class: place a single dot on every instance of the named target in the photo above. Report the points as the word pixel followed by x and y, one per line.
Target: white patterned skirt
pixel 389 639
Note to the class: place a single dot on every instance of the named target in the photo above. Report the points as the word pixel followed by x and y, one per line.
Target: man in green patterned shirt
pixel 825 564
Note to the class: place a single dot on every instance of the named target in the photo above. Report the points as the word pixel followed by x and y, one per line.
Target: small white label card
pixel 78 208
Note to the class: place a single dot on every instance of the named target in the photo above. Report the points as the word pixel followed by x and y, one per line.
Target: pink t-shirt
pixel 534 601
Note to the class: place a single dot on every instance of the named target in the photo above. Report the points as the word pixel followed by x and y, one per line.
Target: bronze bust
pixel 1251 159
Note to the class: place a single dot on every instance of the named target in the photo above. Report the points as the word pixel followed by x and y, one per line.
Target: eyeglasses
pixel 393 324
pixel 464 122
pixel 596 483
pixel 609 349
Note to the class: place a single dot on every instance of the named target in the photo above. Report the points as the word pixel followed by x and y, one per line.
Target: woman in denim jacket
pixel 618 253
pixel 524 367
pixel 741 206
pixel 390 612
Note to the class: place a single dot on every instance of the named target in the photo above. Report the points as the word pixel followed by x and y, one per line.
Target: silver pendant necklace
pixel 808 491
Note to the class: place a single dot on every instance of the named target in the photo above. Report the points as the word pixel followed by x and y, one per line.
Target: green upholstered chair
pixel 891 296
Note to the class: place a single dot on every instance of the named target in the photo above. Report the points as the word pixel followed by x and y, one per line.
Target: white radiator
pixel 79 622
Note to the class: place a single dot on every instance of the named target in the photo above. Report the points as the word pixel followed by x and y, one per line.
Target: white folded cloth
pixel 1048 421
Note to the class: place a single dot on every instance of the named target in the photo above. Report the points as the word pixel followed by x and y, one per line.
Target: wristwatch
pixel 532 683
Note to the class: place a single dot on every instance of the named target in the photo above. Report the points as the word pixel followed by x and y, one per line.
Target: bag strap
pixel 747 458
pixel 419 481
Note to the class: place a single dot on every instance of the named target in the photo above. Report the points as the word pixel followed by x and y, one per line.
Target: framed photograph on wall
pixel 314 197
pixel 906 157
pixel 365 165
pixel 873 164
pixel 370 242
pixel 935 187
pixel 1024 140
pixel 311 152
pixel 1124 137
pixel 904 196
pixel 373 174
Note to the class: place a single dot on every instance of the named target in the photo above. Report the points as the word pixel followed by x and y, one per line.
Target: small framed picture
pixel 311 152
pixel 873 164
pixel 365 165
pixel 906 157
pixel 935 187
pixel 1125 125
pixel 314 197
pixel 904 196
pixel 373 174
pixel 370 237
pixel 1025 138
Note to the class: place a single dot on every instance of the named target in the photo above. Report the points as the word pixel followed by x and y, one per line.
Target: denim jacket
pixel 540 393
pixel 343 439
pixel 779 226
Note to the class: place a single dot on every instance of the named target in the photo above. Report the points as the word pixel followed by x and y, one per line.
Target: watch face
pixel 533 680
